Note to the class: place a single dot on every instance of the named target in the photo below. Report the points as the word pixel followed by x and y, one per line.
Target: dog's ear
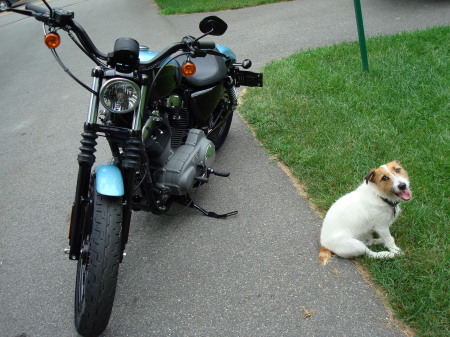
pixel 397 161
pixel 370 176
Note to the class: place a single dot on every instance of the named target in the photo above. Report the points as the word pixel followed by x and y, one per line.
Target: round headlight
pixel 119 95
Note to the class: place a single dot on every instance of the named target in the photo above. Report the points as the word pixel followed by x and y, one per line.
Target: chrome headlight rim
pixel 117 81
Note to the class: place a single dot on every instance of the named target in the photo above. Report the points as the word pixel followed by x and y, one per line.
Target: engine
pixel 188 161
pixel 180 154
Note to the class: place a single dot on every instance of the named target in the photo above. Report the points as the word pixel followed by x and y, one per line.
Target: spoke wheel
pixel 98 265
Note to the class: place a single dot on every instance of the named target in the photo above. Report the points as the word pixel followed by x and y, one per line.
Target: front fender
pixel 109 181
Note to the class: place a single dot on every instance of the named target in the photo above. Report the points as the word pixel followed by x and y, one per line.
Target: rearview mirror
pixel 213 25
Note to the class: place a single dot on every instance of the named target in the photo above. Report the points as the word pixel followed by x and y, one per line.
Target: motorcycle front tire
pixel 98 265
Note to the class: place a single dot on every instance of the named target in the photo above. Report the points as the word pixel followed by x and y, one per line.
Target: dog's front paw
pixel 382 255
pixel 396 251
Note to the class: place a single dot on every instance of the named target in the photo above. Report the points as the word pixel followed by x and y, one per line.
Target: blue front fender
pixel 109 181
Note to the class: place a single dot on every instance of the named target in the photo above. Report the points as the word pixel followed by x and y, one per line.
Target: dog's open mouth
pixel 405 195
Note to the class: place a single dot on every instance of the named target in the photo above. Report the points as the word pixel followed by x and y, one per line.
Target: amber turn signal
pixel 52 40
pixel 188 68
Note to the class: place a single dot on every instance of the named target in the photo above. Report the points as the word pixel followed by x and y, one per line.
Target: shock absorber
pixel 231 92
pixel 132 152
pixel 88 143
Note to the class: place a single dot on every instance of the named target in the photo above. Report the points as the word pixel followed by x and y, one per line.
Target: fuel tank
pixel 227 51
pixel 169 76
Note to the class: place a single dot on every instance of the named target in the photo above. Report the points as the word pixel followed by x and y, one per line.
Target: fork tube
pixel 137 120
pixel 93 104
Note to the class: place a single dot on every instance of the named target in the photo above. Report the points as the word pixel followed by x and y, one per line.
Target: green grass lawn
pixel 183 6
pixel 330 123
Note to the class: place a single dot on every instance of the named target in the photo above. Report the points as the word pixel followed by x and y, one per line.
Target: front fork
pixel 86 159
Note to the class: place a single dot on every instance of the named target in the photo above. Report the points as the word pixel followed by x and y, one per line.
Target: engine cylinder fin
pixel 179 123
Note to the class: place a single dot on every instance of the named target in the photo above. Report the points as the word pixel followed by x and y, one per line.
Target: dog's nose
pixel 402 186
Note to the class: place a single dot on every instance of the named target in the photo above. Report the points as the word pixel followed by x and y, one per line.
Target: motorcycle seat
pixel 210 70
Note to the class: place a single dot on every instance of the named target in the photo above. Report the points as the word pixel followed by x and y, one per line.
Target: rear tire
pixel 98 265
pixel 226 107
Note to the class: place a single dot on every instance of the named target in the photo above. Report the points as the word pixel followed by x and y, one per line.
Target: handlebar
pixel 205 44
pixel 37 9
pixel 86 40
pixel 61 18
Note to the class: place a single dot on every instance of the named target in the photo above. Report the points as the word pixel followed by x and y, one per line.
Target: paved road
pixel 252 275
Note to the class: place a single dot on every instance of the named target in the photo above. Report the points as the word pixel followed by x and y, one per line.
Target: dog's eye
pixel 398 170
pixel 384 178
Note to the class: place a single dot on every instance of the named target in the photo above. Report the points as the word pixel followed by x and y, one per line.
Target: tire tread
pixel 104 259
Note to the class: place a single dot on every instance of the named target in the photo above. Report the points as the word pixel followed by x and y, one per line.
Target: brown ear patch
pixel 370 176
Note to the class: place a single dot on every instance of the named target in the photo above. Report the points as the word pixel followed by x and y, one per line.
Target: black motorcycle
pixel 165 115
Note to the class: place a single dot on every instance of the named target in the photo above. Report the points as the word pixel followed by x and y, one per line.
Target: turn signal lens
pixel 188 68
pixel 52 40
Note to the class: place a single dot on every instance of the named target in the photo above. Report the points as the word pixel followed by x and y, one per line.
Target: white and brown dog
pixel 352 220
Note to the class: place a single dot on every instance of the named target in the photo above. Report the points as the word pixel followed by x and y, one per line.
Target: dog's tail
pixel 325 255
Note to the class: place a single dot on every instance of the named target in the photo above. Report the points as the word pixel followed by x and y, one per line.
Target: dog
pixel 351 222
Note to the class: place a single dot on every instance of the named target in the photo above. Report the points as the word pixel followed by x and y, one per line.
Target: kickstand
pixel 190 203
pixel 212 214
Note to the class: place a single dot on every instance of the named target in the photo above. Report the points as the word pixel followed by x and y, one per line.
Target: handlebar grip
pixel 205 45
pixel 37 9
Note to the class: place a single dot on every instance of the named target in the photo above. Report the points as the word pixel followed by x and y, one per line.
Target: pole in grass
pixel 362 38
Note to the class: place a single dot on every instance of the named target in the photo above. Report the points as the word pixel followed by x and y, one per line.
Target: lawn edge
pixel 160 11
pixel 363 270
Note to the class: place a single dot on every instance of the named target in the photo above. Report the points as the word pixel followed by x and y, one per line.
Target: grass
pixel 184 7
pixel 329 122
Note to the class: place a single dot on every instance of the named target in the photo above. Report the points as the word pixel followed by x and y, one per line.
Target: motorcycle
pixel 165 115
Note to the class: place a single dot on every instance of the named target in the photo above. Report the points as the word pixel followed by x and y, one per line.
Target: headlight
pixel 120 95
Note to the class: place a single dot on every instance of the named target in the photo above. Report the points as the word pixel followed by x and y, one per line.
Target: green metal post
pixel 361 35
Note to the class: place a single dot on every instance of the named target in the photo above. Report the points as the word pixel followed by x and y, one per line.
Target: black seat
pixel 210 70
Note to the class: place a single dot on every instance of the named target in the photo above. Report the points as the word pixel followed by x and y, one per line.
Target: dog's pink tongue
pixel 405 195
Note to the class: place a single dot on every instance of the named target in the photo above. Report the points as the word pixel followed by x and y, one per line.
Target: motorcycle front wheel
pixel 98 265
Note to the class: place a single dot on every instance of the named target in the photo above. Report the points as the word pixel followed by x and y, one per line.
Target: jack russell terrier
pixel 351 221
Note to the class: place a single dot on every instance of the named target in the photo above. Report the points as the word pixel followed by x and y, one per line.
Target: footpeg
pixel 209 171
pixel 218 173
